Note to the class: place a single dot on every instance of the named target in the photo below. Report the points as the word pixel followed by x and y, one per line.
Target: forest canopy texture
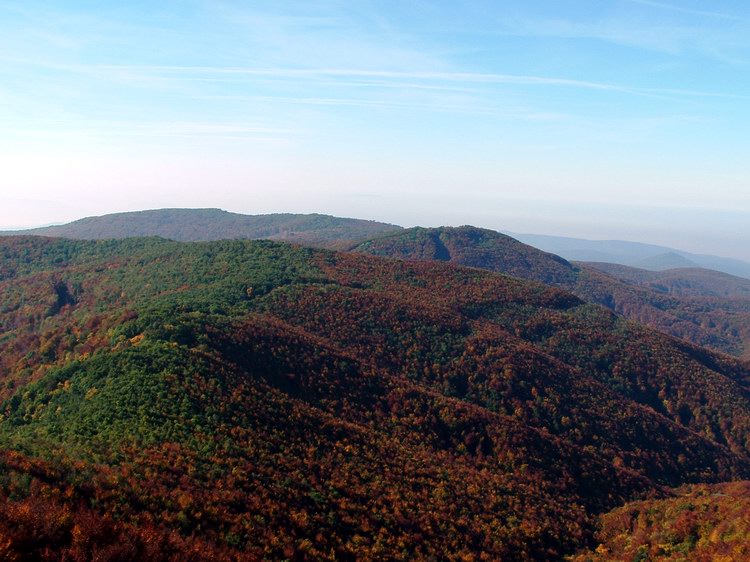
pixel 251 400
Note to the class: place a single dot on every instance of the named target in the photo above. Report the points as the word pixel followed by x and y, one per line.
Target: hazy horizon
pixel 677 246
pixel 622 119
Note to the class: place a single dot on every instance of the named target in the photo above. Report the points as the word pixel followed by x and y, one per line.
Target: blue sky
pixel 602 119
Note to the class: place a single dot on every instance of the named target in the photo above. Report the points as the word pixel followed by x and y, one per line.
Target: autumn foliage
pixel 255 400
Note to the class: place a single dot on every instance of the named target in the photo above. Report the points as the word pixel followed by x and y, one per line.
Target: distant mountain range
pixel 690 282
pixel 187 225
pixel 635 254
pixel 326 231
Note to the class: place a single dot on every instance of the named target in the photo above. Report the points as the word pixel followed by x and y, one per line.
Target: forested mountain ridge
pixel 720 321
pixel 214 224
pixel 474 247
pixel 255 400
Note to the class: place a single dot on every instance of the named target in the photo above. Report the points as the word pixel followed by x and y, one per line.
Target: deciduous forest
pixel 251 400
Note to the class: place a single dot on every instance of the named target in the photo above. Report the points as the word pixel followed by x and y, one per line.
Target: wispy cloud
pixel 691 11
pixel 385 104
pixel 169 129
pixel 716 35
pixel 430 80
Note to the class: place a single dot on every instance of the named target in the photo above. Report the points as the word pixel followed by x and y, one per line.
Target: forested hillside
pixel 254 400
pixel 701 523
pixel 706 308
pixel 474 247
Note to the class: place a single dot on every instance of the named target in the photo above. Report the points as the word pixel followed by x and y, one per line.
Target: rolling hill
pixel 720 321
pixel 473 247
pixel 665 262
pixel 243 400
pixel 214 224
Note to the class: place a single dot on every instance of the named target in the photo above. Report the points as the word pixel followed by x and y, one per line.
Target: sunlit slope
pixel 705 523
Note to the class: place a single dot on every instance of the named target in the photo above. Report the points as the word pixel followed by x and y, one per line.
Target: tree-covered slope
pixel 215 224
pixel 691 282
pixel 701 523
pixel 721 321
pixel 473 247
pixel 255 400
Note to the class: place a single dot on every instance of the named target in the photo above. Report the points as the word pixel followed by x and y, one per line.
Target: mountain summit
pixel 473 247
pixel 214 224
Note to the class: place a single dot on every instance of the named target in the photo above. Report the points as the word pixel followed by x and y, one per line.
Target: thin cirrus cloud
pixel 458 81
pixel 480 85
pixel 175 129
pixel 479 91
pixel 382 104
pixel 473 83
pixel 178 72
pixel 690 11
pixel 664 38
pixel 662 28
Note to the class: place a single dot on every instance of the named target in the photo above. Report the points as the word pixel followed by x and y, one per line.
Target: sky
pixel 603 119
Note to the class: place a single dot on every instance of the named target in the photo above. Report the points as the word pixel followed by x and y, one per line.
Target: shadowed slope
pixel 717 322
